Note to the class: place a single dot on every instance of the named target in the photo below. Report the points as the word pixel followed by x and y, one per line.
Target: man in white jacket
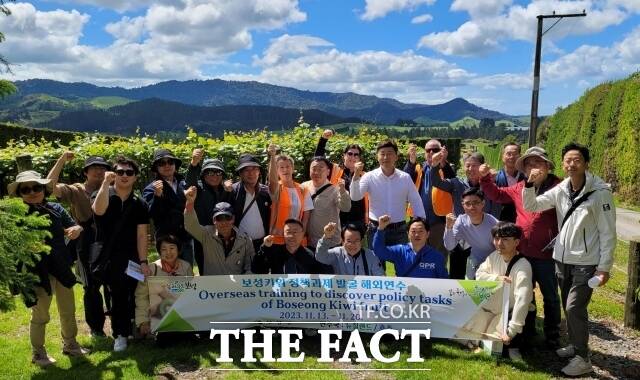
pixel 584 246
pixel 506 264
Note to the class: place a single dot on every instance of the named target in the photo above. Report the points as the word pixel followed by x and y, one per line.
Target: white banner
pixel 458 309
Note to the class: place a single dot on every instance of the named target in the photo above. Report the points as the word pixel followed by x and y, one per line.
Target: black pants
pixel 458 262
pixel 94 304
pixel 123 304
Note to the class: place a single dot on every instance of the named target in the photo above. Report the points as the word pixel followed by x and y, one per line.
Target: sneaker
pixel 75 350
pixel 566 352
pixel 41 358
pixel 515 355
pixel 120 344
pixel 577 366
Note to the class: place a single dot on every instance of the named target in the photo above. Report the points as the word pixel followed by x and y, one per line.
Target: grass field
pixel 196 358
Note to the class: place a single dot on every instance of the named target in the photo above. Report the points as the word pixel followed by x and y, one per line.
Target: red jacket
pixel 538 228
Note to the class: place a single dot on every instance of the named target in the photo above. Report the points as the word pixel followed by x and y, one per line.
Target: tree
pixel 22 239
pixel 6 88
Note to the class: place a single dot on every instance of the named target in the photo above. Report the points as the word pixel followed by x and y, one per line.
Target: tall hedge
pixel 607 120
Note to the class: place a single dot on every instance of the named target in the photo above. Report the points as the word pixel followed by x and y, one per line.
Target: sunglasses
pixel 471 203
pixel 224 218
pixel 353 154
pixel 24 190
pixel 216 173
pixel 167 162
pixel 128 172
pixel 432 150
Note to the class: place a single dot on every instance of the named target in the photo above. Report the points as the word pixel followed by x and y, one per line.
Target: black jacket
pixel 167 211
pixel 277 260
pixel 207 196
pixel 263 200
pixel 58 261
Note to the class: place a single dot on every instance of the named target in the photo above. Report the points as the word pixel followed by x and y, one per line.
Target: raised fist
pixel 190 194
pixel 342 185
pixel 327 134
pixel 158 186
pixel 484 170
pixel 228 185
pixel 68 156
pixel 445 153
pixel 383 222
pixel 329 230
pixel 359 169
pixel 412 153
pixel 272 150
pixel 535 175
pixel 451 220
pixel 196 156
pixel 437 158
pixel 268 241
pixel 109 177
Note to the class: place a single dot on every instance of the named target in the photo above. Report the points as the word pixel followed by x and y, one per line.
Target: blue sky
pixel 416 51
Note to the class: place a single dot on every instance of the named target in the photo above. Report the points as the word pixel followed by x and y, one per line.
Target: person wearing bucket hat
pixel 207 175
pixel 53 270
pixel 538 229
pixel 78 195
pixel 250 200
pixel 226 250
pixel 165 198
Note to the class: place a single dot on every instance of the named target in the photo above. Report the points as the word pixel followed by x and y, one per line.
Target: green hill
pixel 105 102
pixel 606 119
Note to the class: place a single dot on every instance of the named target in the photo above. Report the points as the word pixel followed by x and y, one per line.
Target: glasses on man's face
pixel 223 218
pixel 471 203
pixel 127 172
pixel 166 162
pixel 24 190
pixel 353 154
pixel 216 173
pixel 432 150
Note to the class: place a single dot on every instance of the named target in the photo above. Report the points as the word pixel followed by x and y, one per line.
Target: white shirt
pixel 251 224
pixel 388 195
pixel 294 211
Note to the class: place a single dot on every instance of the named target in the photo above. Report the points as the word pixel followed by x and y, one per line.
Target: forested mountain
pixel 218 92
pixel 156 115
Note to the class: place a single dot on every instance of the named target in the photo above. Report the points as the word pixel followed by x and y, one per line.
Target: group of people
pixel 522 225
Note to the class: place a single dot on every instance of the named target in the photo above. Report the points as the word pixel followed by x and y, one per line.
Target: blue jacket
pixel 403 258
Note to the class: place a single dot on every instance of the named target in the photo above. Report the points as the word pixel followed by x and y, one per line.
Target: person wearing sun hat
pixel 55 276
pixel 538 229
pixel 207 175
pixel 78 196
pixel 165 197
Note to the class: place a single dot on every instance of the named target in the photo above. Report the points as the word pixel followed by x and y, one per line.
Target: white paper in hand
pixel 134 270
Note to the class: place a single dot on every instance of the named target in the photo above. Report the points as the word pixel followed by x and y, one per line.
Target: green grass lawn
pixel 196 358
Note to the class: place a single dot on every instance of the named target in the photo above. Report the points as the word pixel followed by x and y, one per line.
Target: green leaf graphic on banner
pixel 479 291
pixel 174 322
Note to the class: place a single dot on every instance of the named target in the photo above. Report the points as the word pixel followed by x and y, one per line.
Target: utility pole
pixel 533 126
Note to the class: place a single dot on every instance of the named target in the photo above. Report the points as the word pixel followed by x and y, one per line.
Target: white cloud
pixel 510 80
pixel 318 66
pixel 123 5
pixel 422 19
pixel 166 42
pixel 480 8
pixel 127 29
pixel 289 46
pixel 493 21
pixel 379 8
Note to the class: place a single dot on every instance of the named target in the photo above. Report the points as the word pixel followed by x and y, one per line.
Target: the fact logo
pixel 330 341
